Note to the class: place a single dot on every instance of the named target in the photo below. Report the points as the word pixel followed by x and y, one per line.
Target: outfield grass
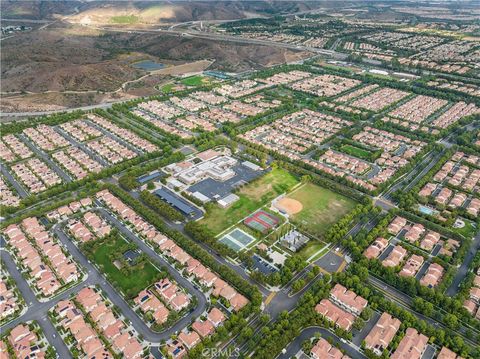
pixel 194 81
pixel 321 208
pixel 124 19
pixel 253 196
pixel 356 151
pixel 131 282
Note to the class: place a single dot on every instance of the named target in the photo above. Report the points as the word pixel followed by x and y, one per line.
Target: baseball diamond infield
pixel 289 205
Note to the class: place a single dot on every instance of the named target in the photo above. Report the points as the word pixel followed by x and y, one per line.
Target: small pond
pixel 148 65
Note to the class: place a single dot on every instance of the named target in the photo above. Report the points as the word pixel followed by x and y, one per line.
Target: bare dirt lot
pixel 64 65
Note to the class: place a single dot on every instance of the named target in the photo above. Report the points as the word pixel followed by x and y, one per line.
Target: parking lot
pixel 217 189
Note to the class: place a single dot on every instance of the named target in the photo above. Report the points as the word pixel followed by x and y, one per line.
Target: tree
pixel 451 321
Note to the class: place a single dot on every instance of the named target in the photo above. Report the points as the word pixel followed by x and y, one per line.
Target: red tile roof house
pixel 129 346
pixel 470 306
pixel 432 276
pixel 336 315
pixel 412 266
pixel 167 245
pixel 179 302
pixel 169 293
pixel 192 263
pixel 176 350
pixel 414 233
pixel 395 257
pixel 446 353
pixel 148 302
pixel 382 333
pixel 218 286
pixel 348 299
pixel 24 343
pixel 396 225
pixel 204 329
pixel 216 317
pixel 88 298
pixel 444 195
pixel 227 292
pixel 189 339
pixel 476 281
pixel 475 294
pixel 160 315
pixel 412 346
pixel 208 279
pixel 324 350
pixel 238 302
pixel 430 240
pixel 199 271
pixel 376 248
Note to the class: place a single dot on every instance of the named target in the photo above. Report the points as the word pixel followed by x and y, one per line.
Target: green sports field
pixel 321 208
pixel 253 196
pixel 194 81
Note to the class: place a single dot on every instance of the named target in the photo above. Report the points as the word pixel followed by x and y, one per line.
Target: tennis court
pixel 261 221
pixel 237 239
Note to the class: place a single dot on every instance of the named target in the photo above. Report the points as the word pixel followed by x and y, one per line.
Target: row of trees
pixel 355 279
pixel 163 208
pixel 192 248
pixel 129 180
pixel 409 285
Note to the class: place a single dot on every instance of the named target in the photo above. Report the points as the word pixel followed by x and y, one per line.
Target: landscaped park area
pixel 129 276
pixel 266 203
pixel 253 196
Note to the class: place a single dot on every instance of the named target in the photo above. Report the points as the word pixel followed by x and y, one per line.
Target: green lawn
pixel 468 231
pixel 356 151
pixel 194 81
pixel 321 208
pixel 167 88
pixel 124 19
pixel 253 196
pixel 311 248
pixel 130 281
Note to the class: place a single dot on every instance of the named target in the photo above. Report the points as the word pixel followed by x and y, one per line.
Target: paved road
pixel 463 269
pixel 41 154
pixel 201 299
pixel 405 301
pixel 36 310
pixel 6 115
pixel 412 178
pixel 77 143
pixel 294 347
pixel 115 137
pixel 18 187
